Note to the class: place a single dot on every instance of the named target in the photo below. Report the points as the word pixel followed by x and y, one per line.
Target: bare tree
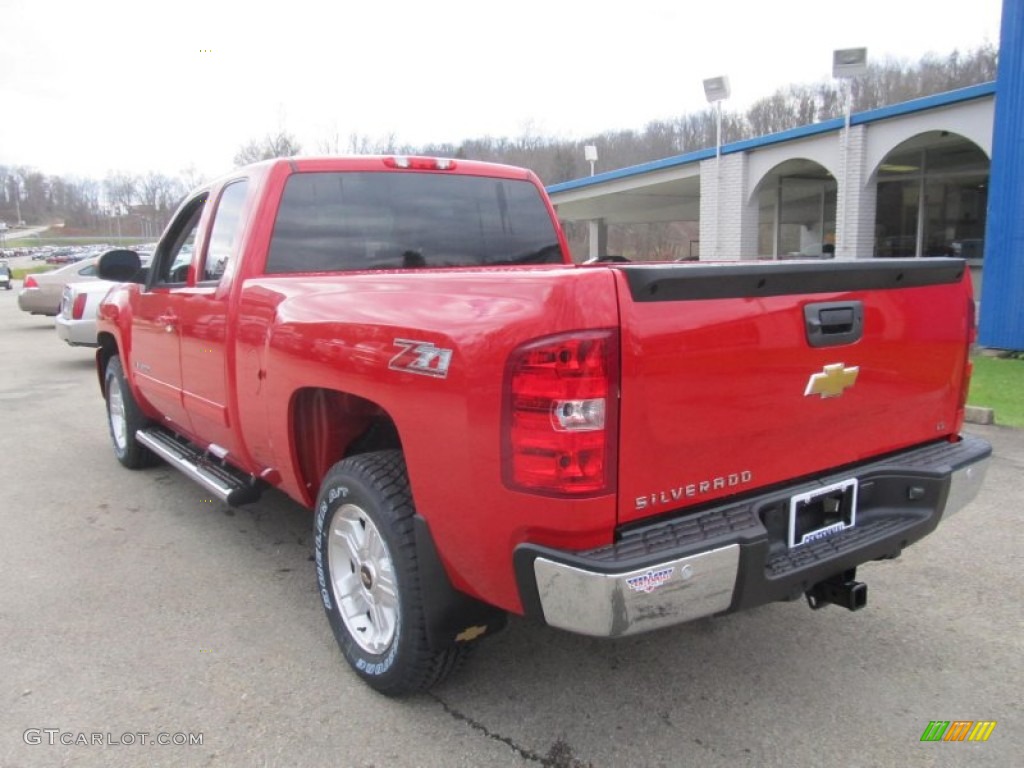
pixel 361 144
pixel 272 145
pixel 190 179
pixel 120 189
pixel 85 202
pixel 330 145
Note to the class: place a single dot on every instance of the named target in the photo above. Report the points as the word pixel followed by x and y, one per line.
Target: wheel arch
pixel 336 425
pixel 328 425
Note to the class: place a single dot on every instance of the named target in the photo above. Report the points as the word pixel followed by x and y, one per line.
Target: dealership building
pixel 936 176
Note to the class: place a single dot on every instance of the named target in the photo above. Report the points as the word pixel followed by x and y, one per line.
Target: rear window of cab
pixel 346 221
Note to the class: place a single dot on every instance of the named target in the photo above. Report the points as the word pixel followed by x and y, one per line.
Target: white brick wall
pixel 735 236
pixel 859 216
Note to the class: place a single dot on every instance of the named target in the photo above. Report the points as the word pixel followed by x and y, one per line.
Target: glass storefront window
pixel 951 177
pixel 797 212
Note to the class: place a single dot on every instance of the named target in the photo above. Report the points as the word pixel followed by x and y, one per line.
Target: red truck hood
pixel 723 390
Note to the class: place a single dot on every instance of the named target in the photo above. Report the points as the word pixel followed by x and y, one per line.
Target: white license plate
pixel 822 512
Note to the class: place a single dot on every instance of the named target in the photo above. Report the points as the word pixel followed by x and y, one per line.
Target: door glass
pixel 171 264
pixel 226 230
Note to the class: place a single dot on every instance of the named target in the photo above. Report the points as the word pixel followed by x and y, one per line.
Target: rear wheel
pixel 125 419
pixel 369 578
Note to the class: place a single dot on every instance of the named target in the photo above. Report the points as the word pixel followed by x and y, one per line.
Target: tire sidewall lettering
pixel 118 451
pixel 331 500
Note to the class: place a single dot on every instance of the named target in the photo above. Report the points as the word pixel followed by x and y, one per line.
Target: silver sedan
pixel 76 321
pixel 41 292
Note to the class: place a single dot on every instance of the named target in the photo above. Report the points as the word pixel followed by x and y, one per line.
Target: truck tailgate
pixel 740 376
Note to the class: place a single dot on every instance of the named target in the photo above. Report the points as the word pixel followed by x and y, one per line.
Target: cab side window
pixel 172 260
pixel 226 231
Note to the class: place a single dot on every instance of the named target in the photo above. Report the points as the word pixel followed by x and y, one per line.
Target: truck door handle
pixel 831 323
pixel 169 321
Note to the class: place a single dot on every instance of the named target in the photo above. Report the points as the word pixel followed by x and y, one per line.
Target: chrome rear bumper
pixel 734 557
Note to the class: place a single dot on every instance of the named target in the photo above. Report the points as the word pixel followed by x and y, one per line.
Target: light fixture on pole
pixel 590 155
pixel 716 90
pixel 847 63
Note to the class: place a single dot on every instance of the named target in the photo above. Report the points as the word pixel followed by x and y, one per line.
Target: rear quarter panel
pixel 340 333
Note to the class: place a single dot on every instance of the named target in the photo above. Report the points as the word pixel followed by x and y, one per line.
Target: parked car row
pixel 59 254
pixel 72 253
pixel 80 301
pixel 71 293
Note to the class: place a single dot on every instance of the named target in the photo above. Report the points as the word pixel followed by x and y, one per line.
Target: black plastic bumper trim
pixel 901 500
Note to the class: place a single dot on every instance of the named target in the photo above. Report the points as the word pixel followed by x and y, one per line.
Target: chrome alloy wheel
pixel 115 412
pixel 363 579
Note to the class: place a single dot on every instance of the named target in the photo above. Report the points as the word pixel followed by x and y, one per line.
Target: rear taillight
pixel 79 306
pixel 561 415
pixel 29 282
pixel 965 382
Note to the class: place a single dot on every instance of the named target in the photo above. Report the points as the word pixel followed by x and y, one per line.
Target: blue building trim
pixel 861 118
pixel 1002 311
pixel 633 170
pixel 925 102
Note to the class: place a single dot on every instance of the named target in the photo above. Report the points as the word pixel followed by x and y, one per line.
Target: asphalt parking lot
pixel 131 605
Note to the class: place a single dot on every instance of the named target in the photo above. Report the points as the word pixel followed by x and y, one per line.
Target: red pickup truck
pixel 480 426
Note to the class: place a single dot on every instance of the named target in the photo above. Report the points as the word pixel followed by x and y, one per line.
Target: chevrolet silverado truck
pixel 482 427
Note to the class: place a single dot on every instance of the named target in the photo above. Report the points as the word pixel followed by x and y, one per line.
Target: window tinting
pixel 331 222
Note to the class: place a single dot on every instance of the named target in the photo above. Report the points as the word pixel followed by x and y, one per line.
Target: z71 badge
pixel 421 357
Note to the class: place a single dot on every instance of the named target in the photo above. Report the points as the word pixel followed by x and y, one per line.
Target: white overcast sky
pixel 105 85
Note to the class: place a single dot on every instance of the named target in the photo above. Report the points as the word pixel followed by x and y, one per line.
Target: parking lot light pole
pixel 847 64
pixel 716 90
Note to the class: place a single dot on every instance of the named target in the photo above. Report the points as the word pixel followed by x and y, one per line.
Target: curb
pixel 974 414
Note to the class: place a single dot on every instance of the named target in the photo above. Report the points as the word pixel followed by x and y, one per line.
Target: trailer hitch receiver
pixel 839 590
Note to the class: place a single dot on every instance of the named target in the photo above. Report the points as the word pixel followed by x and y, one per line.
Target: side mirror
pixel 121 266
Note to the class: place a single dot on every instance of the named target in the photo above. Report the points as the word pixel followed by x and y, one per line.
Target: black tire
pixel 124 419
pixel 366 559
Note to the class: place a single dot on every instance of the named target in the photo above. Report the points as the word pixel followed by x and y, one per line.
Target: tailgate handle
pixel 831 323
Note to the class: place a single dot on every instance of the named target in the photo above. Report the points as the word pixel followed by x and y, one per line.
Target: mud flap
pixel 451 616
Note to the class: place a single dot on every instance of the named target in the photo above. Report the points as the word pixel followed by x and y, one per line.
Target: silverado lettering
pixel 694 489
pixel 287 304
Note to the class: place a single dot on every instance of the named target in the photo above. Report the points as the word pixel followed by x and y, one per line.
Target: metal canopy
pixel 673 197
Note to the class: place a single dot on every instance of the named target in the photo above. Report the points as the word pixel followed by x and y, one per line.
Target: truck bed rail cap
pixel 689 282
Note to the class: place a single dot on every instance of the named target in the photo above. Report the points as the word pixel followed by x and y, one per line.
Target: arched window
pixel 797 212
pixel 950 175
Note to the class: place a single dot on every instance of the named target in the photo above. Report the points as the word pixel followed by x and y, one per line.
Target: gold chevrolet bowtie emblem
pixel 831 381
pixel 470 633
